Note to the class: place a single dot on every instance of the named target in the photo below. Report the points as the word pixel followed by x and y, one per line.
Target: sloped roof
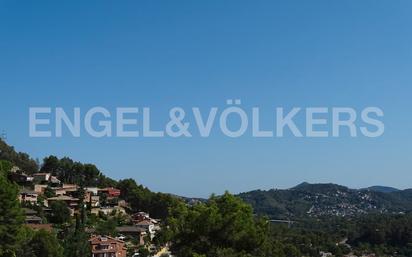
pixel 100 238
pixel 129 229
pixel 63 198
pixel 145 222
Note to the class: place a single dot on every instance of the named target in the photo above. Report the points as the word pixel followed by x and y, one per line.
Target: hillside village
pixel 80 212
pixel 42 193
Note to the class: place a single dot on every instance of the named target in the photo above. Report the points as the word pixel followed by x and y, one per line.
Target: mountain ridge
pixel 328 199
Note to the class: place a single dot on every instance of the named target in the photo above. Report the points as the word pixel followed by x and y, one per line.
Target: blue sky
pixel 162 54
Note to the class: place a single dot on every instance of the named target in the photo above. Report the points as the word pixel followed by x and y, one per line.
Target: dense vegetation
pixel 224 225
pixel 71 172
pixel 17 240
pixel 384 234
pixel 10 213
pixel 22 160
pixel 141 198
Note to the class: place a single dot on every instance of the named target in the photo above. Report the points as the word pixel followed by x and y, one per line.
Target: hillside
pixel 22 160
pixel 315 200
pixel 382 189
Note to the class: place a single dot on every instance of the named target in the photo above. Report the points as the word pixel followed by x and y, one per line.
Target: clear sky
pixel 162 54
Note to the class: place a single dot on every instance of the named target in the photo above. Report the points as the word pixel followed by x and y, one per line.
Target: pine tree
pixel 77 243
pixel 11 217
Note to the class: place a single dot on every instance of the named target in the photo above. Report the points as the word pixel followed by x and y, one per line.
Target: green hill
pixel 315 200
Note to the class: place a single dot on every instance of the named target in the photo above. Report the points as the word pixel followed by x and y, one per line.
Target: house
pixel 28 196
pixel 20 178
pixel 41 177
pixel 140 216
pixel 39 189
pixel 71 202
pixel 147 226
pixel 33 220
pixel 30 217
pixel 105 246
pixel 66 189
pixel 110 191
pixel 54 181
pixel 107 210
pixel 94 201
pixel 92 190
pixel 132 232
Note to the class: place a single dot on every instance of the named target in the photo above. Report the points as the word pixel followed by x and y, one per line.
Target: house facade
pixel 28 196
pixel 105 246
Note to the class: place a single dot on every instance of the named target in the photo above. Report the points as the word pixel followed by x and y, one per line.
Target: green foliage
pixel 224 223
pixel 10 214
pixel 39 244
pixel 143 252
pixel 5 167
pixel 295 203
pixel 384 234
pixel 60 212
pixel 107 227
pixel 69 171
pixel 142 199
pixel 76 243
pixel 49 192
pixel 21 160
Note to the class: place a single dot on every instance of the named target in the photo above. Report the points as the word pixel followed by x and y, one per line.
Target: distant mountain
pixel 382 189
pixel 315 200
pixel 190 200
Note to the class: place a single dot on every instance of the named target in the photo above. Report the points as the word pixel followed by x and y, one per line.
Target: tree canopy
pixel 11 217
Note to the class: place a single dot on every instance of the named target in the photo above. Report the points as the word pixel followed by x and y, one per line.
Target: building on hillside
pixel 148 226
pixel 31 217
pixel 66 189
pixel 54 181
pixel 91 196
pixel 41 177
pixel 28 196
pixel 93 200
pixel 71 202
pixel 105 246
pixel 133 232
pixel 20 178
pixel 110 191
pixel 108 210
pixel 33 220
pixel 39 189
pixel 140 216
pixel 92 190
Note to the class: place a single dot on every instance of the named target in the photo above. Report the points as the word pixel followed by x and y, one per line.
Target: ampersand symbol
pixel 176 117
